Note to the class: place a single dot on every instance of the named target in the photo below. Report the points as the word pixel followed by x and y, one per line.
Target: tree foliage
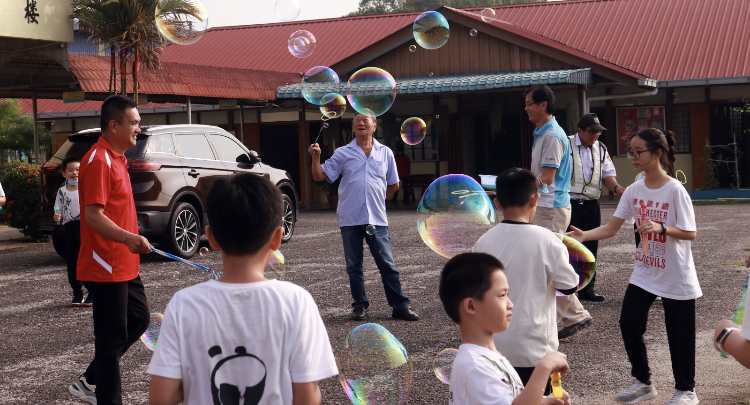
pixel 17 130
pixel 368 7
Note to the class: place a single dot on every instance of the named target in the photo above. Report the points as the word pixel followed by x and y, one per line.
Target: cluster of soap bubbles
pixel 443 364
pixel 182 23
pixel 375 368
pixel 453 213
pixel 151 335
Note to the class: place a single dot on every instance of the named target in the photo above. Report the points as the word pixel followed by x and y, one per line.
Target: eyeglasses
pixel 592 132
pixel 530 104
pixel 635 155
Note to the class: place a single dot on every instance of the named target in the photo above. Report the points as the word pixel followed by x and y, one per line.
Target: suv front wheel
pixel 184 233
pixel 287 220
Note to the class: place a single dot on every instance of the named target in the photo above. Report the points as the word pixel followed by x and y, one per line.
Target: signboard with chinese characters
pixel 73 97
pixel 630 120
pixel 47 20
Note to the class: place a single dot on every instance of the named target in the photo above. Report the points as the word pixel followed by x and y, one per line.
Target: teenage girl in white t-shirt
pixel 663 269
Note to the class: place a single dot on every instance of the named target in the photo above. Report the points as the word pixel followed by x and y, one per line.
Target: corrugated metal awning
pixel 445 84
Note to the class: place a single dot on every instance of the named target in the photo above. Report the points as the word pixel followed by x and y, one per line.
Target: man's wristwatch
pixel 663 228
pixel 614 190
pixel 722 337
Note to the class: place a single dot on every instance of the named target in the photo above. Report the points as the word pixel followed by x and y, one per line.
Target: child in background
pixel 537 264
pixel 665 270
pixel 68 210
pixel 242 336
pixel 474 293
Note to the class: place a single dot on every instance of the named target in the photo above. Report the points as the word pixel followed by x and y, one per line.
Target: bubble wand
pixel 57 205
pixel 557 390
pixel 644 242
pixel 322 127
pixel 181 260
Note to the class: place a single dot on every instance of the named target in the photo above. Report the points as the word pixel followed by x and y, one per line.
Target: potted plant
pixel 331 190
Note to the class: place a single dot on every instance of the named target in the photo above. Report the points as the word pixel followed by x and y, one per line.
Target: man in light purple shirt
pixel 369 177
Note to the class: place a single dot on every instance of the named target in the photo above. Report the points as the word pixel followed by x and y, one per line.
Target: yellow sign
pixel 73 97
pixel 228 104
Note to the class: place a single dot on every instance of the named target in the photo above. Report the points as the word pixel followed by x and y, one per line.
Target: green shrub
pixel 21 183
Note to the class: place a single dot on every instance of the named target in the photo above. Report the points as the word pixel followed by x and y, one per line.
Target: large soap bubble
pixel 333 105
pixel 276 266
pixel 316 83
pixel 301 43
pixel 375 368
pixel 183 22
pixel 581 258
pixel 443 364
pixel 488 14
pixel 287 10
pixel 431 30
pixel 453 213
pixel 413 131
pixel 151 335
pixel 371 91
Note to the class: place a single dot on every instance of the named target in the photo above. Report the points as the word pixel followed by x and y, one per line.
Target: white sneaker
pixel 636 393
pixel 84 391
pixel 684 398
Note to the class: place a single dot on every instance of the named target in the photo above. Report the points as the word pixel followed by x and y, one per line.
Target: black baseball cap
pixel 590 121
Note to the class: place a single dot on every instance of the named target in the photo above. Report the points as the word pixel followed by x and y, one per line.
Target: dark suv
pixel 172 167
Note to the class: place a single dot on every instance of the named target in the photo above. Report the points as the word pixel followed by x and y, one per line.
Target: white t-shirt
pixel 667 270
pixel 67 202
pixel 480 376
pixel 254 339
pixel 536 262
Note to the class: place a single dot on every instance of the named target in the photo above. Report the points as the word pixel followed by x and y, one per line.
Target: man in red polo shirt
pixel 108 260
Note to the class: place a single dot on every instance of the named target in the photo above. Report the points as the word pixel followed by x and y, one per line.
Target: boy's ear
pixel 211 239
pixel 276 238
pixel 497 204
pixel 534 200
pixel 467 306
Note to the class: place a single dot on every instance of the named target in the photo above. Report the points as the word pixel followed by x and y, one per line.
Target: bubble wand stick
pixel 57 205
pixel 644 242
pixel 181 260
pixel 322 127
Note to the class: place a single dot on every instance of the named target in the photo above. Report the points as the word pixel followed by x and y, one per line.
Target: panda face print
pixel 238 379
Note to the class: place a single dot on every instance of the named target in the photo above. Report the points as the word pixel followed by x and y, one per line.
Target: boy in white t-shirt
pixel 474 293
pixel 242 338
pixel 537 264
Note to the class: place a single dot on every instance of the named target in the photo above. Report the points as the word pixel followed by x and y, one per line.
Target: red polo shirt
pixel 104 180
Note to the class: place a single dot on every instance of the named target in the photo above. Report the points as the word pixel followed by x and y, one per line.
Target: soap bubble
pixel 301 43
pixel 431 30
pixel 371 91
pixel 473 32
pixel 181 25
pixel 412 48
pixel 175 274
pixel 453 213
pixel 432 74
pixel 437 117
pixel 316 83
pixel 333 105
pixel 276 267
pixel 413 131
pixel 581 258
pixel 151 335
pixel 375 368
pixel 203 251
pixel 370 229
pixel 488 14
pixel 443 364
pixel 287 10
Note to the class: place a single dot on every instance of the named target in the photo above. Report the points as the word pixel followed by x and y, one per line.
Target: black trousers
pixel 586 215
pixel 72 246
pixel 679 317
pixel 525 374
pixel 121 316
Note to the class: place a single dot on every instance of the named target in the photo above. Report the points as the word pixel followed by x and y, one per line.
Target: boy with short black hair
pixel 68 211
pixel 242 335
pixel 537 263
pixel 474 292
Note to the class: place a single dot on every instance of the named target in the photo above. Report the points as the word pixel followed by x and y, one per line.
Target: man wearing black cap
pixel 592 168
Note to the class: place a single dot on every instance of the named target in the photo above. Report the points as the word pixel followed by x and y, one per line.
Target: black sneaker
pixel 590 295
pixel 89 302
pixel 77 298
pixel 83 390
pixel 405 314
pixel 573 329
pixel 359 314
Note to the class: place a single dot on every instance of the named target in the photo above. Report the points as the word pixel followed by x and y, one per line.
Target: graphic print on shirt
pixel 657 244
pixel 239 379
pixel 515 384
pixel 66 208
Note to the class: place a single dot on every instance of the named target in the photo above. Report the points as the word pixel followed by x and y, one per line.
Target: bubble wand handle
pixel 57 205
pixel 557 390
pixel 322 127
pixel 181 260
pixel 644 241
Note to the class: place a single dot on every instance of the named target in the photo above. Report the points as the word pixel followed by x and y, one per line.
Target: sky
pixel 223 13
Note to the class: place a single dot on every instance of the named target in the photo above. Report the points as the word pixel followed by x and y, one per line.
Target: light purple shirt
pixel 365 180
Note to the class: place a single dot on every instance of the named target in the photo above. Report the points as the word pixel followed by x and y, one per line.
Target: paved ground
pixel 46 344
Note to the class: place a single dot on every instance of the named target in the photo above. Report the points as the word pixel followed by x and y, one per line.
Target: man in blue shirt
pixel 550 162
pixel 369 177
